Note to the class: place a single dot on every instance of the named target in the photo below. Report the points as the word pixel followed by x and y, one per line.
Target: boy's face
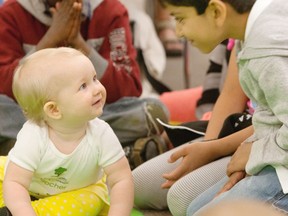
pixel 200 30
pixel 82 96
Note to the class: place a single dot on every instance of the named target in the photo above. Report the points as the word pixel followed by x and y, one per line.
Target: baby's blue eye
pixel 83 86
pixel 94 78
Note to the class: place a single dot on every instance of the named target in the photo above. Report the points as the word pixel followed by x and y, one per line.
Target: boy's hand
pixel 236 166
pixel 234 178
pixel 239 159
pixel 193 156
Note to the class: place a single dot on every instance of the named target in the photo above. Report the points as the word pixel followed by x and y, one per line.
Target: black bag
pixel 183 133
pixel 144 149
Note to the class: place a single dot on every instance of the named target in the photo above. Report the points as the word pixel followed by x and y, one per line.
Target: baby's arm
pixel 15 189
pixel 121 186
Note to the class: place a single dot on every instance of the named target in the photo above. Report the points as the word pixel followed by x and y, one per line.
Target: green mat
pixel 136 212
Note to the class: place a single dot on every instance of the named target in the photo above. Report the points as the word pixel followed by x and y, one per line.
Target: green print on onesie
pixel 60 171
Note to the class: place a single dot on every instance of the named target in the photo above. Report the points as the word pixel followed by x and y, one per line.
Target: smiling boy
pixel 262 56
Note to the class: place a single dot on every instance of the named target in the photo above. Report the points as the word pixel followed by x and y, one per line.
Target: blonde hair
pixel 37 79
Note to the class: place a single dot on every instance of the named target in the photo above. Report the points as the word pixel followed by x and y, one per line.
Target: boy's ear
pixel 218 10
pixel 51 110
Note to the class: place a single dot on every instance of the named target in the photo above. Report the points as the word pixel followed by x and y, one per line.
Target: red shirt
pixel 109 23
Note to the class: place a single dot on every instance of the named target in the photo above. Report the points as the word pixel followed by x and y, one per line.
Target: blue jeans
pixel 264 187
pixel 128 117
pixel 11 118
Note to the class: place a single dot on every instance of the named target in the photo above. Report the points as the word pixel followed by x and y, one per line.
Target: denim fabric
pixel 128 117
pixel 263 187
pixel 11 118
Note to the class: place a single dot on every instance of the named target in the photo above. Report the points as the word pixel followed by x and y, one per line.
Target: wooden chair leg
pixel 186 65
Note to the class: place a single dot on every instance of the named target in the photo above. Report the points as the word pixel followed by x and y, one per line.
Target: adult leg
pixel 148 180
pixel 132 118
pixel 12 119
pixel 264 187
pixel 186 189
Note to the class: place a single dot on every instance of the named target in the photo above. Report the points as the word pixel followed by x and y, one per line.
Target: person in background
pixel 148 45
pixel 110 48
pixel 71 148
pixel 7 137
pixel 165 26
pixel 31 25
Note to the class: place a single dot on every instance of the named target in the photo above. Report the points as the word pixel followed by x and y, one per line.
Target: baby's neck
pixel 66 139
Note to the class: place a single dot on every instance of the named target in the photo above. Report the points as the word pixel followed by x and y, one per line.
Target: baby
pixel 64 146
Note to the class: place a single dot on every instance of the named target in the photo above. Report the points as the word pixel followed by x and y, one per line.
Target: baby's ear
pixel 51 110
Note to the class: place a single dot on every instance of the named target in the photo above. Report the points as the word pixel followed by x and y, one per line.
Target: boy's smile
pixel 204 31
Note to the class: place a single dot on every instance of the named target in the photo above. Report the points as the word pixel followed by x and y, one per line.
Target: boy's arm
pixel 121 186
pixel 231 100
pixel 270 117
pixel 15 189
pixel 195 155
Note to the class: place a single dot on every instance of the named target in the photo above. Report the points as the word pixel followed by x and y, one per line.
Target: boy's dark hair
pixel 241 6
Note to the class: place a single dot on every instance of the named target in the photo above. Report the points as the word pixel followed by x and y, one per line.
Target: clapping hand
pixel 65 27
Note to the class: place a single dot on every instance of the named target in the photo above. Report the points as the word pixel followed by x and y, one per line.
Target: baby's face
pixel 81 96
